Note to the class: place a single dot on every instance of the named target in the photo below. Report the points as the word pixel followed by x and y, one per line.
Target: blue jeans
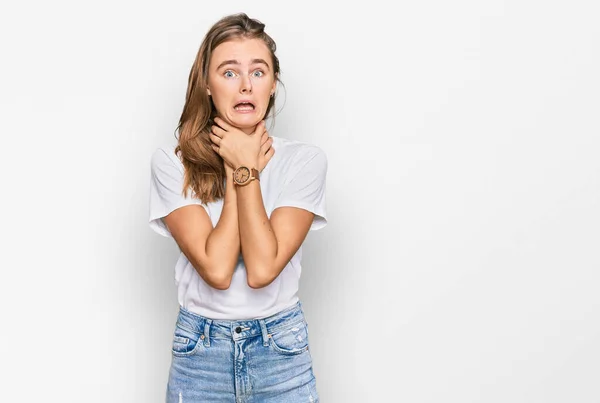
pixel 242 361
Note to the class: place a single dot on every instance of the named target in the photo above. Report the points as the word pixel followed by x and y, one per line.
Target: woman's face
pixel 241 70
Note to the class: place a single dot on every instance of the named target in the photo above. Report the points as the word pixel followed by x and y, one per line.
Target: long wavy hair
pixel 204 170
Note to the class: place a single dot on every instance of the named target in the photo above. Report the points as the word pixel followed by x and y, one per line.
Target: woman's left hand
pixel 236 147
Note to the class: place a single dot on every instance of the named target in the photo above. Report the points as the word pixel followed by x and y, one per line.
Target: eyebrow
pixel 254 61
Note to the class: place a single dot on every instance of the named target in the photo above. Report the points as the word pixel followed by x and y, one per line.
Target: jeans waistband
pixel 240 329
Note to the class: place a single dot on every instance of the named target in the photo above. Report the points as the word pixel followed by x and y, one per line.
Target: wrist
pixel 242 190
pixel 243 175
pixel 247 163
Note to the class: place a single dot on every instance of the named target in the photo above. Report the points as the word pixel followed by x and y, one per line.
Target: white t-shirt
pixel 295 176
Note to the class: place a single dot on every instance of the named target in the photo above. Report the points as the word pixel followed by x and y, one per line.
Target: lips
pixel 244 105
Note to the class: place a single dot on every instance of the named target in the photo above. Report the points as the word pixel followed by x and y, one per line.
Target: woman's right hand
pixel 236 147
pixel 266 153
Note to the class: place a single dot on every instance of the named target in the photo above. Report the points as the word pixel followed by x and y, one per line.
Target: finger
pixel 263 134
pixel 264 138
pixel 266 145
pixel 269 153
pixel 260 128
pixel 225 126
pixel 218 131
pixel 215 139
pixel 217 149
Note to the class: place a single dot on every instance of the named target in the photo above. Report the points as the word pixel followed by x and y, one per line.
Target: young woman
pixel 239 204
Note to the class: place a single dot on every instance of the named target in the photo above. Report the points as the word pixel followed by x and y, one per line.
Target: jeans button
pixel 238 329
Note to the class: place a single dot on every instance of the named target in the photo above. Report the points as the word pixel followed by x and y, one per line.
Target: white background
pixel 460 263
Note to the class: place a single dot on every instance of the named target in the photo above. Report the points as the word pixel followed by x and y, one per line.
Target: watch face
pixel 241 175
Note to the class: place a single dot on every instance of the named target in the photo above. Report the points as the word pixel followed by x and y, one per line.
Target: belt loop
pixel 265 334
pixel 301 309
pixel 207 324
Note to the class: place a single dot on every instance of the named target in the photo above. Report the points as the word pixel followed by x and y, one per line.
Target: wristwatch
pixel 244 175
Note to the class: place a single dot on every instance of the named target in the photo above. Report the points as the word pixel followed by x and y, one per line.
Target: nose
pixel 246 84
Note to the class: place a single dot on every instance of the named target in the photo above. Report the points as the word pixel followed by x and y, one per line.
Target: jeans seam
pixel 285 325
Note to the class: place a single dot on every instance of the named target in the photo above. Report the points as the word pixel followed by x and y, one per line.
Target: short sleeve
pixel 166 190
pixel 306 189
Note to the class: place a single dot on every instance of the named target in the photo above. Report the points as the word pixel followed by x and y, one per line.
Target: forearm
pixel 258 241
pixel 223 243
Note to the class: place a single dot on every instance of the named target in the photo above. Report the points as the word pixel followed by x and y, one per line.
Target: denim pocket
pixel 185 341
pixel 290 340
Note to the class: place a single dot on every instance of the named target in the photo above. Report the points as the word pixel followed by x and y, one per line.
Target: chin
pixel 249 120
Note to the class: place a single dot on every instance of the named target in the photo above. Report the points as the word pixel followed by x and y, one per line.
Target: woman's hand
pixel 238 148
pixel 266 153
pixel 228 170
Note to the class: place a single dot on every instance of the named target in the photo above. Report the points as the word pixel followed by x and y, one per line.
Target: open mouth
pixel 244 106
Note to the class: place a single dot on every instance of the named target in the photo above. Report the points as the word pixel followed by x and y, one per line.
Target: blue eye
pixel 228 71
pixel 259 71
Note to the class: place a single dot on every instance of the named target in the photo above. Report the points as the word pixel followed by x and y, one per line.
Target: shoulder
pixel 298 153
pixel 164 157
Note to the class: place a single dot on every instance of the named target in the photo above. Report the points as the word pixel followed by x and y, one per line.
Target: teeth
pixel 244 105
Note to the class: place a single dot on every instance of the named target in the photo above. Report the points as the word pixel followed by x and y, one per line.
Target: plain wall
pixel 460 262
